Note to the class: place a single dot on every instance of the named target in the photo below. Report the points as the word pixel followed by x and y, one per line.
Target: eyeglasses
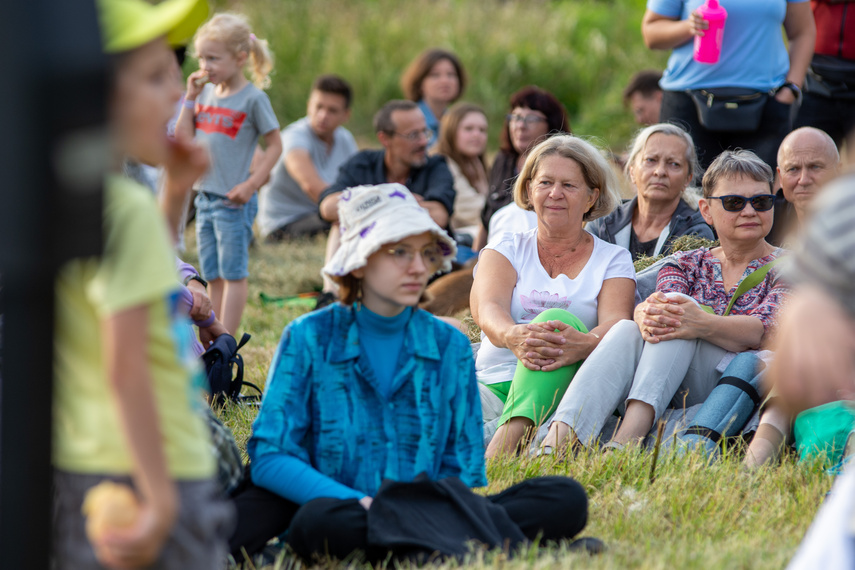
pixel 403 256
pixel 527 120
pixel 735 203
pixel 415 135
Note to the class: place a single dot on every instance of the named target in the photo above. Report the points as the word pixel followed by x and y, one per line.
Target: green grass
pixel 583 52
pixel 693 515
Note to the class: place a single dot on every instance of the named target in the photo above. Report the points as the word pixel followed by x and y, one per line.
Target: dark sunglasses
pixel 734 203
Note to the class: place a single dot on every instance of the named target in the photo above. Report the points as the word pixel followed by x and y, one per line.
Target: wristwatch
pixel 797 91
pixel 195 277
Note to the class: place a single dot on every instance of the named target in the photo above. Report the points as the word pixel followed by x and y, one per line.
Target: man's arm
pixel 438 198
pixel 299 164
pixel 328 208
pixel 436 210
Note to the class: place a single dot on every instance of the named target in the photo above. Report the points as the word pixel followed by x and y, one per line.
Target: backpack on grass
pixel 224 369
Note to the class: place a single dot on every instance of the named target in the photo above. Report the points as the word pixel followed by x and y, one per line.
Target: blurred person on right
pixel 815 356
pixel 756 74
pixel 661 164
pixel 829 102
pixel 671 354
pixel 533 113
pixel 807 160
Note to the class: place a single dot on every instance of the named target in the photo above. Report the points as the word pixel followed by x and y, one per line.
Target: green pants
pixel 534 394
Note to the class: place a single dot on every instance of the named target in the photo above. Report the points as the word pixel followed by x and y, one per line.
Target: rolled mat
pixel 727 409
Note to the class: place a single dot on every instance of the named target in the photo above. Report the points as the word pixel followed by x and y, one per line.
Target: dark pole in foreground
pixel 52 156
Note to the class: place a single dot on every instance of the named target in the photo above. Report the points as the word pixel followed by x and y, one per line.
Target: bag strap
pixel 751 281
pixel 702 431
pixel 238 381
pixel 741 384
pixel 243 340
pixel 252 396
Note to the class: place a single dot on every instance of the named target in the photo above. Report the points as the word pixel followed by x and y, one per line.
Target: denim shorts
pixel 223 235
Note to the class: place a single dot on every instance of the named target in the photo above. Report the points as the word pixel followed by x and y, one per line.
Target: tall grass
pixel 583 52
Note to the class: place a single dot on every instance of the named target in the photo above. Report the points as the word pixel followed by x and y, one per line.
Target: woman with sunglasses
pixel 373 388
pixel 673 353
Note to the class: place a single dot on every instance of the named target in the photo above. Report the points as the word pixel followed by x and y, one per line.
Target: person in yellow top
pixel 124 381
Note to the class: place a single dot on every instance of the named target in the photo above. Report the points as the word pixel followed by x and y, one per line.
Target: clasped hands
pixel 548 345
pixel 661 317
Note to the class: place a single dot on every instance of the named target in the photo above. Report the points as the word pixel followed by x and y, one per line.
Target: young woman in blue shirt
pixel 372 389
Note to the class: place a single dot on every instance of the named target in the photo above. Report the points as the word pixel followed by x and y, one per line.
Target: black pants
pixel 834 116
pixel 678 108
pixel 307 226
pixel 553 508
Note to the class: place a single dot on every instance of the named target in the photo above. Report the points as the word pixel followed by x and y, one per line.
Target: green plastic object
pixel 305 300
pixel 824 429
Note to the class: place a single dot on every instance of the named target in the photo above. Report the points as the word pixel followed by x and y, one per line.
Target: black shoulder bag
pixel 224 369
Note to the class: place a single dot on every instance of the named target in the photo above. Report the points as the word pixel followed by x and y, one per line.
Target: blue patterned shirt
pixel 323 406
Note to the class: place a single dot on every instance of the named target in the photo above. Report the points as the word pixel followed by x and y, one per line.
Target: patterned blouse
pixel 697 273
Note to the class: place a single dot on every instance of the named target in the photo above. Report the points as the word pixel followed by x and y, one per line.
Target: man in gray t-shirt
pixel 313 149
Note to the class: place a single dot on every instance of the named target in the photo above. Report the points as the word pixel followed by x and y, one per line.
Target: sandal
pixel 542 451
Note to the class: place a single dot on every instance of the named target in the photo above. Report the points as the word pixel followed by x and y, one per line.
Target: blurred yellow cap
pixel 129 24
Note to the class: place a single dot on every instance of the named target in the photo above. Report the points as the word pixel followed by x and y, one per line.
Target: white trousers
pixel 625 367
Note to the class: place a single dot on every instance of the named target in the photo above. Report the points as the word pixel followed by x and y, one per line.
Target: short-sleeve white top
pixel 536 291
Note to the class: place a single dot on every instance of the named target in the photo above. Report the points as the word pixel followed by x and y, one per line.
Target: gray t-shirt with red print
pixel 230 127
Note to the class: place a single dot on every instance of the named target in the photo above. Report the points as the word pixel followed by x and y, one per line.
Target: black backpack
pixel 224 368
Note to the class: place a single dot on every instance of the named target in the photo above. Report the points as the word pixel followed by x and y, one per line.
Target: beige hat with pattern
pixel 372 216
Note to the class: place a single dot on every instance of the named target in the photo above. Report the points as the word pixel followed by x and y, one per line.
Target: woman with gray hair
pixel 661 164
pixel 700 311
pixel 545 297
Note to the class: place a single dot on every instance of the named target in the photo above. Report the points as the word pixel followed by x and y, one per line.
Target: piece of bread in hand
pixel 109 506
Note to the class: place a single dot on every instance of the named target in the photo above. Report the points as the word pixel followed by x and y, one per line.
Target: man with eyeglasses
pixel 807 160
pixel 401 129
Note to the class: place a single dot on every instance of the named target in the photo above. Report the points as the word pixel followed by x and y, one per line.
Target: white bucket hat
pixel 371 216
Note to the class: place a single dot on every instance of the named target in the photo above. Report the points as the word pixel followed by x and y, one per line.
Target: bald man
pixel 807 160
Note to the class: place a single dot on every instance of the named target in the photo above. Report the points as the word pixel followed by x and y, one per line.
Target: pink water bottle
pixel 708 47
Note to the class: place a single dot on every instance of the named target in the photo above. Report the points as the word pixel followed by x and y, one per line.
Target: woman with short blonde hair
pixel 545 297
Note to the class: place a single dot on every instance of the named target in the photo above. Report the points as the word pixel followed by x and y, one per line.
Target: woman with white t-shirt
pixel 544 298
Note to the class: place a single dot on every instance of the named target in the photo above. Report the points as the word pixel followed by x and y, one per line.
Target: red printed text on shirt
pixel 212 119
